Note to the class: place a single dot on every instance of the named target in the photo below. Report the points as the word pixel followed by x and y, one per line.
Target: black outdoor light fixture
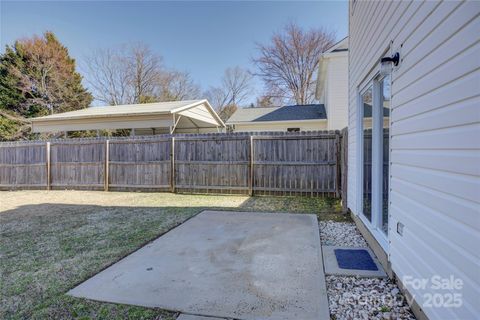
pixel 387 63
pixel 395 59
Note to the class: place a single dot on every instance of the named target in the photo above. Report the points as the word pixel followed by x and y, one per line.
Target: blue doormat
pixel 358 259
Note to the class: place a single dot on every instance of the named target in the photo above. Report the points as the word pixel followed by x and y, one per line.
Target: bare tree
pixel 134 74
pixel 236 87
pixel 177 85
pixel 288 64
pixel 144 70
pixel 217 96
pixel 108 77
pixel 237 82
pixel 268 101
pixel 127 74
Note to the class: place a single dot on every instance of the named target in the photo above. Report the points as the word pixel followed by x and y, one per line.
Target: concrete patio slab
pixel 332 268
pixel 224 264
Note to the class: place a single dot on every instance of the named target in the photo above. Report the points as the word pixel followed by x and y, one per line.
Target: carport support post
pixel 107 151
pixel 48 166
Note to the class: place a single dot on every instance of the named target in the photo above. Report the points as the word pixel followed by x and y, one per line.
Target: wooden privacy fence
pixel 307 163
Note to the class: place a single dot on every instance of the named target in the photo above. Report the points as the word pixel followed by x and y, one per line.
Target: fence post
pixel 48 167
pixel 107 160
pixel 344 168
pixel 172 166
pixel 250 187
pixel 337 165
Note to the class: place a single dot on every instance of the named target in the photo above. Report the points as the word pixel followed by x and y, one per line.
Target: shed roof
pixel 284 113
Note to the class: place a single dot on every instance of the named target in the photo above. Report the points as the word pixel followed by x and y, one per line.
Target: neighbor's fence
pixel 307 163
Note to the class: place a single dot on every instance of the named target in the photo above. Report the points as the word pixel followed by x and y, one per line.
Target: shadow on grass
pixel 49 248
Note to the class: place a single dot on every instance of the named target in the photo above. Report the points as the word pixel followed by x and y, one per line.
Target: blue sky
pixel 200 37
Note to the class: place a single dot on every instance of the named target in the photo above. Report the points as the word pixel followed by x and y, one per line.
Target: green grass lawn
pixel 51 241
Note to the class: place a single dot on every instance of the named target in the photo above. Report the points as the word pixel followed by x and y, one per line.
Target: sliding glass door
pixel 367 153
pixel 375 137
pixel 385 96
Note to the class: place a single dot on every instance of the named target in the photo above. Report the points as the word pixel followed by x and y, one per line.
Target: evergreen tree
pixel 38 77
pixel 10 95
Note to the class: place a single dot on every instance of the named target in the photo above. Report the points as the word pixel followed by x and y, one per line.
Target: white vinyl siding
pixel 337 91
pixel 435 137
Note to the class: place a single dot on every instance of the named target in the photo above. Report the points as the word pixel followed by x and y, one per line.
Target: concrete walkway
pixel 224 264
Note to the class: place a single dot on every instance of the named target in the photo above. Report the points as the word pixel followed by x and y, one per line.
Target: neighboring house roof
pixel 341 45
pixel 198 112
pixel 284 113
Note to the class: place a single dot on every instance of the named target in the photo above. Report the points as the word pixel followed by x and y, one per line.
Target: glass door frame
pixel 375 226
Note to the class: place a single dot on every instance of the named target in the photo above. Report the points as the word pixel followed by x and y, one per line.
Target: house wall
pixel 337 90
pixel 281 126
pixel 435 146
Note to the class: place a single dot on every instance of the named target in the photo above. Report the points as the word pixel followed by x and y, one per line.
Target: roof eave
pixel 43 119
pixel 336 45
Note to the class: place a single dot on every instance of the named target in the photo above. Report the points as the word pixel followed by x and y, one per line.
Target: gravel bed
pixel 341 234
pixel 352 298
pixel 365 298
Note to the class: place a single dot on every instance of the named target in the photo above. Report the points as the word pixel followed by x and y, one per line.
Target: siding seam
pixel 433 30
pixel 440 194
pixel 399 120
pixel 439 64
pixel 434 171
pixel 437 87
pixel 439 257
pixel 463 124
